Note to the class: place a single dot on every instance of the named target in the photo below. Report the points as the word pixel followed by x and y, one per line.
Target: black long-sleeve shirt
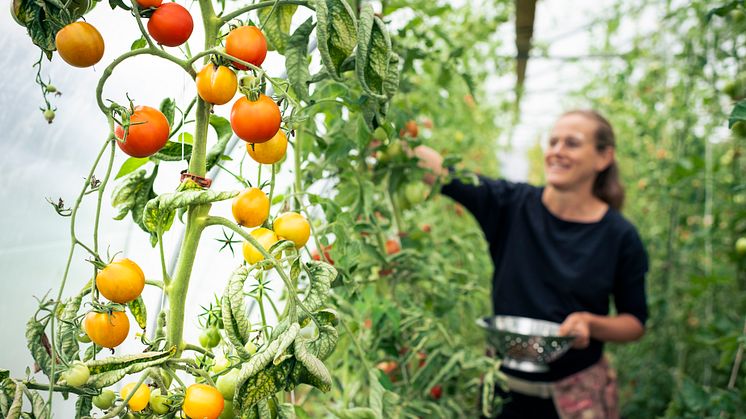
pixel 547 268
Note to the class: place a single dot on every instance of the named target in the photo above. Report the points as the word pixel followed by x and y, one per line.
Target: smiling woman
pixel 560 251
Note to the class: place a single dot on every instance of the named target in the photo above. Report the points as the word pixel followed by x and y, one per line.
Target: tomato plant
pixel 171 24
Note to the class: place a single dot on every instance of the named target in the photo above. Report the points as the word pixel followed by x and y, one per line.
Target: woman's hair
pixel 607 186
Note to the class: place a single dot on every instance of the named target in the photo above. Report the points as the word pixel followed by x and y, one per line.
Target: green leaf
pixel 4 374
pixel 738 114
pixel 39 406
pixel 44 18
pixel 174 151
pixel 233 309
pixel 276 25
pixel 373 53
pixel 296 59
pixel 83 407
pixel 67 330
pixel 108 371
pixel 140 43
pixel 336 33
pixel 132 194
pixel 314 366
pixel 168 107
pixel 130 165
pixel 356 413
pixel 139 312
pixel 224 131
pixel 159 212
pixel 391 82
pixel 36 342
pixel 16 407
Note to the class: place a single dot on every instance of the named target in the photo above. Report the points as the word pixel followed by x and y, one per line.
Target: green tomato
pixel 741 246
pixel 739 129
pixel 392 152
pixel 250 347
pixel 210 338
pixel 83 337
pixel 77 374
pixel 227 412
pixel 159 402
pixel 416 192
pixel 380 134
pixel 104 400
pixel 221 364
pixel 226 383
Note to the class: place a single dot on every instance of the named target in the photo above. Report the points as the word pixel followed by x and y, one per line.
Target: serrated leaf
pixel 139 312
pixel 168 107
pixel 39 406
pixel 233 309
pixel 130 165
pixel 285 341
pixel 174 151
pixel 67 330
pixel 132 194
pixel 224 131
pixel 336 32
pixel 373 53
pixel 17 406
pixel 159 212
pixel 276 25
pixel 297 58
pixel 108 371
pixel 314 366
pixel 34 340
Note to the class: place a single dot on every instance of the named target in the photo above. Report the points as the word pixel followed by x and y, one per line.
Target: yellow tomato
pixel 251 207
pixel 269 152
pixel 294 227
pixel 266 238
pixel 121 281
pixel 140 399
pixel 202 401
pixel 216 84
pixel 79 44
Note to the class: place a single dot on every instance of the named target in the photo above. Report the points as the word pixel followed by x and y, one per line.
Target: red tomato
pixel 148 132
pixel 392 247
pixel 147 4
pixel 436 392
pixel 171 25
pixel 248 44
pixel 255 122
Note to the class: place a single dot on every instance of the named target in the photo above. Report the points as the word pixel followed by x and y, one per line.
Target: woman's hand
pixel 623 327
pixel 577 324
pixel 428 159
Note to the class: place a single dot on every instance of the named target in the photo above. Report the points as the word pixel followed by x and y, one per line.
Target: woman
pixel 560 252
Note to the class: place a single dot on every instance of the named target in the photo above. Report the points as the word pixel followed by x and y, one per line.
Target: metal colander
pixel 526 344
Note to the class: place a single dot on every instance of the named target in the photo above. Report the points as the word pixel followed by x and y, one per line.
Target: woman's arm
pixel 620 328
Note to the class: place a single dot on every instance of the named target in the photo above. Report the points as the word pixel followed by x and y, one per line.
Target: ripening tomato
pixel 104 400
pixel 148 132
pixel 315 255
pixel 411 129
pixel 140 399
pixel 171 25
pixel 147 4
pixel 107 330
pixel 256 121
pixel 121 281
pixel 436 392
pixel 79 44
pixel 226 383
pixel 269 152
pixel 216 84
pixel 267 238
pixel 392 247
pixel 202 401
pixel 77 374
pixel 251 207
pixel 294 227
pixel 159 402
pixel 246 43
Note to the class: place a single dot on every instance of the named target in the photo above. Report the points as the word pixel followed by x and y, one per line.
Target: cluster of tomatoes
pixel 199 401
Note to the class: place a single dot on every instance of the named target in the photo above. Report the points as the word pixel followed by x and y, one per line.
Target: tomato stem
pixel 238 12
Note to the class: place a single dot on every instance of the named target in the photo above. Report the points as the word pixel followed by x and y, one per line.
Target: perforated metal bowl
pixel 526 344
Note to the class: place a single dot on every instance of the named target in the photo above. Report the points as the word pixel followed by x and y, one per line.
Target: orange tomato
pixel 202 401
pixel 269 152
pixel 107 330
pixel 251 207
pixel 246 43
pixel 267 238
pixel 216 84
pixel 256 121
pixel 147 4
pixel 294 227
pixel 79 44
pixel 121 281
pixel 147 133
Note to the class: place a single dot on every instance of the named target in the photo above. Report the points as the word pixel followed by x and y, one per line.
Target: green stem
pixel 359 349
pixel 58 388
pixel 158 284
pixel 298 186
pixel 136 12
pixel 260 300
pixel 260 5
pixel 164 270
pixel 115 412
pixel 195 348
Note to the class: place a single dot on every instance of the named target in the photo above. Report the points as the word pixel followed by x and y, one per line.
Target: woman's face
pixel 571 159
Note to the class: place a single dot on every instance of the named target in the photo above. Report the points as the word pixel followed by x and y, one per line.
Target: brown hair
pixel 607 186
